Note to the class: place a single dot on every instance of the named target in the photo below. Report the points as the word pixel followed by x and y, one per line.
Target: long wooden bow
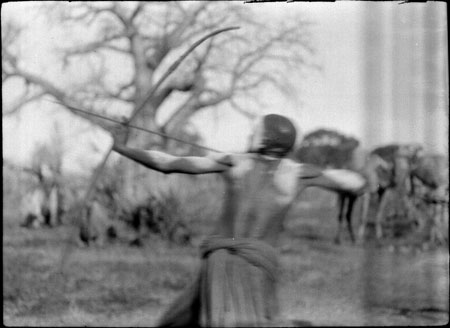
pixel 164 135
pixel 139 107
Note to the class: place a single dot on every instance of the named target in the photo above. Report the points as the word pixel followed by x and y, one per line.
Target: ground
pixel 321 283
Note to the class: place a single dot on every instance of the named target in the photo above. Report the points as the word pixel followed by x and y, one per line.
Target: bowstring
pixel 161 134
pixel 97 172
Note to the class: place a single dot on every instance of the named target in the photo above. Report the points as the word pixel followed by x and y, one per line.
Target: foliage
pixel 173 213
pixel 327 148
pixel 15 184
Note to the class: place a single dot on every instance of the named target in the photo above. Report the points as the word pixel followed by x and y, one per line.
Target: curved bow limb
pixel 139 107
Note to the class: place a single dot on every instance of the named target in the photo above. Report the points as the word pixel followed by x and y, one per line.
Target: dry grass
pixel 100 286
pixel 123 286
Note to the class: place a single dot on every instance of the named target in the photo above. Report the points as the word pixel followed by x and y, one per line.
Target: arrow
pixel 164 135
pixel 138 108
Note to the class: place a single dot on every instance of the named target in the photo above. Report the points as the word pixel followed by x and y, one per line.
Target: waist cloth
pixel 235 286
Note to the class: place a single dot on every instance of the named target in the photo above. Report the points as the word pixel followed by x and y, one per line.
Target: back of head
pixel 274 135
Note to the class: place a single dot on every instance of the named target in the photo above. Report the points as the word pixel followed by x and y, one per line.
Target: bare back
pixel 259 192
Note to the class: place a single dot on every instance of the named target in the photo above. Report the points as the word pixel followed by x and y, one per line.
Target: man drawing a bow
pixel 236 285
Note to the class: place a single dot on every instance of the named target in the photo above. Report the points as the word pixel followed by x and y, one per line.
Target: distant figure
pixel 40 206
pixel 431 173
pixel 97 226
pixel 34 209
pixel 236 285
pixel 400 157
pixel 395 180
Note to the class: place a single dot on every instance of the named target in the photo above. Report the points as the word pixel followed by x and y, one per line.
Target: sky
pixel 331 98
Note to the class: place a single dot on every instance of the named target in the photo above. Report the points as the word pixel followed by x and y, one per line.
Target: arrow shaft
pixel 150 94
pixel 141 105
pixel 138 108
pixel 164 135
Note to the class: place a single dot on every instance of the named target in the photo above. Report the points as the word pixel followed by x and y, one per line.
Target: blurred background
pixel 354 76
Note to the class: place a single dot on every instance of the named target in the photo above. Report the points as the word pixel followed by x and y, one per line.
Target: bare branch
pixel 88 12
pixel 227 71
pixel 29 170
pixel 136 11
pixel 96 45
pixel 212 101
pixel 18 105
pixel 119 94
pixel 48 88
pixel 44 84
pixel 192 105
pixel 238 108
pixel 175 36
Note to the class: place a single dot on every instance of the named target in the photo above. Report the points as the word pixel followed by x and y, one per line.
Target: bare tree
pixel 145 37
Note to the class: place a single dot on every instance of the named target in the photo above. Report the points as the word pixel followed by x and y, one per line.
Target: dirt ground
pixel 321 284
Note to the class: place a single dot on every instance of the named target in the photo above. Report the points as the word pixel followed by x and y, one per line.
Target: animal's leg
pixel 380 214
pixel 29 221
pixel 341 201
pixel 440 223
pixel 438 227
pixel 46 215
pixel 433 231
pixel 81 243
pixel 101 236
pixel 348 216
pixel 364 216
pixel 412 186
pixel 39 222
pixel 53 207
pixel 444 222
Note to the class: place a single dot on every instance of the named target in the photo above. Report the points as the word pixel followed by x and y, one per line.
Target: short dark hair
pixel 279 135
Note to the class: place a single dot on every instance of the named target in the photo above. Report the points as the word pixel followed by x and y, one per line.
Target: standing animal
pixel 430 183
pixel 374 164
pixel 385 168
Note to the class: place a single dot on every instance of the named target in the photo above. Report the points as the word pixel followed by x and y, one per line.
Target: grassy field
pixel 118 285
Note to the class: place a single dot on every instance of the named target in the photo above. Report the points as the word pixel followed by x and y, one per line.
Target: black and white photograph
pixel 225 163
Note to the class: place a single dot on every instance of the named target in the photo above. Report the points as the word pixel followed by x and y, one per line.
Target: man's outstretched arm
pixel 339 180
pixel 167 163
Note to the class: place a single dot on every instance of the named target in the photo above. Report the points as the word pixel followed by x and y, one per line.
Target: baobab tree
pixel 142 38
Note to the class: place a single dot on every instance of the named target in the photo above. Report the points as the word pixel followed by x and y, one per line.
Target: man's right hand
pixel 120 134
